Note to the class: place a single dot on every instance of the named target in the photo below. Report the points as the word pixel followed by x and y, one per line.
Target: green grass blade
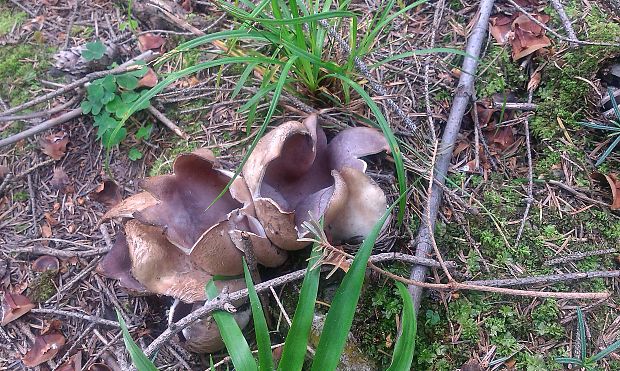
pixel 297 20
pixel 419 52
pixel 405 345
pixel 140 360
pixel 372 35
pixel 595 125
pixel 340 316
pixel 581 326
pixel 612 98
pixel 605 352
pixel 265 358
pixel 391 139
pixel 569 361
pixel 242 79
pixel 296 342
pixel 272 108
pixel 236 345
pixel 608 151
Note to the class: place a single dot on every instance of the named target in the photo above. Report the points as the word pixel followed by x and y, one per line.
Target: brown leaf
pixel 72 364
pixel 52 326
pixel 45 347
pixel 150 41
pixel 614 186
pixel 55 145
pixel 49 218
pixel 187 5
pixel 528 36
pixel 60 180
pixel 4 170
pixel 149 80
pixel 107 193
pixel 14 306
pixel 46 230
pixel 99 367
pixel 501 138
pixel 472 365
pixel 534 81
pixel 500 27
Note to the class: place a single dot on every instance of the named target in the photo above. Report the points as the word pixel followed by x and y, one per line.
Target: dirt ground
pixel 55 186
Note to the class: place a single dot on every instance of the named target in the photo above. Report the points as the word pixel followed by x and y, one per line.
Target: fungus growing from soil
pixel 180 232
pixel 295 175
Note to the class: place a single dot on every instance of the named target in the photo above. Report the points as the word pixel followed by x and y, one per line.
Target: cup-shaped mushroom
pixel 198 218
pixel 293 174
pixel 14 306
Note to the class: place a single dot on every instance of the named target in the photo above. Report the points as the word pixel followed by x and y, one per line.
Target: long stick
pixel 453 125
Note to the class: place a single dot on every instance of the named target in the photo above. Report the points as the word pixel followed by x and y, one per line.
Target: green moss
pixel 42 287
pixel 500 73
pixel 20 67
pixel 20 196
pixel 10 18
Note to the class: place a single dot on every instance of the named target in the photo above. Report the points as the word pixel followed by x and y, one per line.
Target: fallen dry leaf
pixel 72 364
pixel 99 367
pixel 107 193
pixel 14 306
pixel 150 41
pixel 55 145
pixel 149 80
pixel 500 27
pixel 46 230
pixel 472 365
pixel 534 81
pixel 45 347
pixel 52 326
pixel 614 185
pixel 4 170
pixel 60 180
pixel 501 138
pixel 528 36
pixel 49 218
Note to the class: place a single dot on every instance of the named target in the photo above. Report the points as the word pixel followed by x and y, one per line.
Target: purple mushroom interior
pixel 185 209
pixel 300 178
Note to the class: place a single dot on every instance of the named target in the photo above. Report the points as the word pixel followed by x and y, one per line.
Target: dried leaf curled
pixel 55 145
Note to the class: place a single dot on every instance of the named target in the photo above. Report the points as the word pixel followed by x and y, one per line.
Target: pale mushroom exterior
pixel 294 174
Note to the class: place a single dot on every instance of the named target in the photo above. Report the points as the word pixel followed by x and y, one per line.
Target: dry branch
pixel 453 125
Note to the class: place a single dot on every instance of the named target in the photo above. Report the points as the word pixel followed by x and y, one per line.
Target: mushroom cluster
pixel 179 232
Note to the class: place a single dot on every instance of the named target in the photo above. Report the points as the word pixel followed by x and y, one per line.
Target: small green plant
pixel 131 22
pixel 94 50
pixel 613 128
pixel 109 98
pixel 588 363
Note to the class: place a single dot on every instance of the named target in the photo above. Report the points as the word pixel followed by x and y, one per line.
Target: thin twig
pixel 77 112
pixel 568 27
pixel 453 125
pixel 166 121
pixel 41 250
pixel 547 279
pixel 530 173
pixel 81 316
pixel 363 69
pixel 579 256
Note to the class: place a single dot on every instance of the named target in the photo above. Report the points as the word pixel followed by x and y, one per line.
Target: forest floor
pixel 55 185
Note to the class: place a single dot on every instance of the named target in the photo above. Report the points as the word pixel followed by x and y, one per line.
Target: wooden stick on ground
pixel 453 125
